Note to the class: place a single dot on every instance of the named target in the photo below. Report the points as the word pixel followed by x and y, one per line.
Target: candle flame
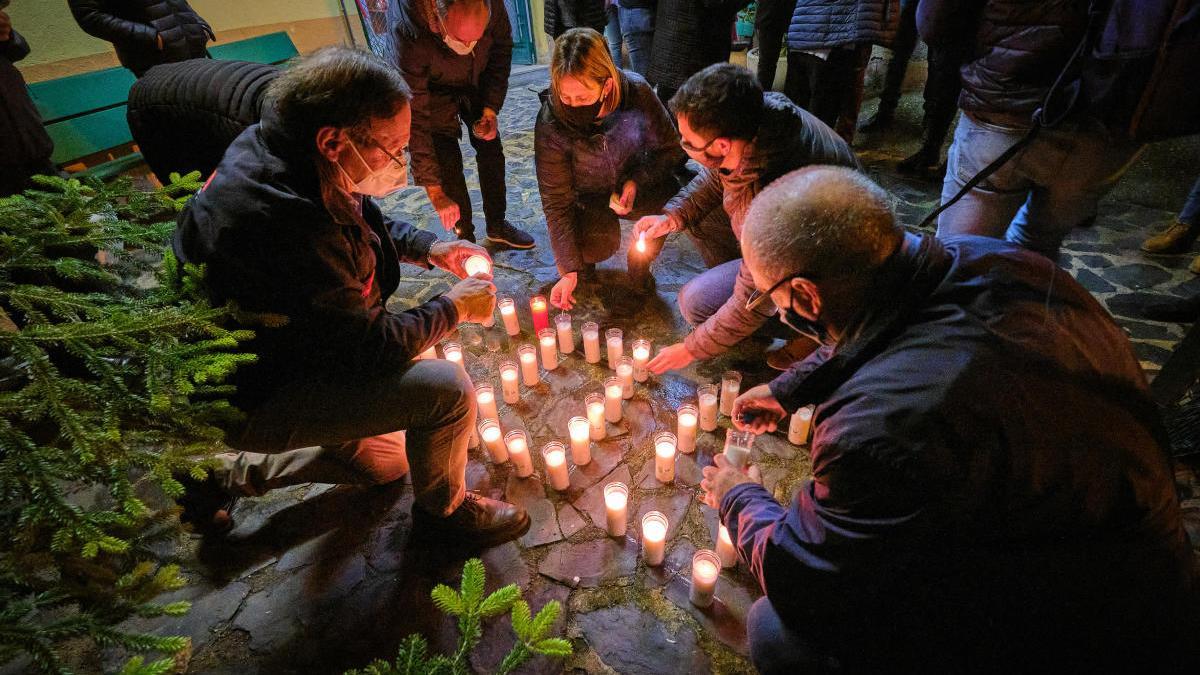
pixel 641 243
pixel 476 264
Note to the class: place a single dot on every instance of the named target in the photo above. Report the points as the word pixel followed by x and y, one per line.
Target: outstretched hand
pixel 719 480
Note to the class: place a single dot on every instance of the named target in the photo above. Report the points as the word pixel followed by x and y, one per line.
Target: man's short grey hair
pixel 827 222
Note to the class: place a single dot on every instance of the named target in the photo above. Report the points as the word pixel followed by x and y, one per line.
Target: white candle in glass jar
pixel 612 400
pixel 508 313
pixel 800 425
pixel 731 384
pixel 615 340
pixel 453 353
pixel 549 346
pixel 554 456
pixel 595 413
pixel 493 440
pixel 706 568
pixel 654 538
pixel 518 452
pixel 664 457
pixel 707 396
pixel 581 443
pixel 476 264
pixel 641 356
pixel 485 398
pixel 529 367
pixel 566 334
pixel 591 341
pixel 685 428
pixel 738 445
pixel 616 501
pixel 725 550
pixel 625 376
pixel 508 382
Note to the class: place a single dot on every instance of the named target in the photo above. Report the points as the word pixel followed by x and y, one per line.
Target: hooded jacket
pixel 134 26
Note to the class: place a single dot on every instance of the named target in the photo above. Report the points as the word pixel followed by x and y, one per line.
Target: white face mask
pixel 378 182
pixel 461 48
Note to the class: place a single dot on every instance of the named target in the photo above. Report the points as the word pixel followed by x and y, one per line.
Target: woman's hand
pixel 622 204
pixel 562 295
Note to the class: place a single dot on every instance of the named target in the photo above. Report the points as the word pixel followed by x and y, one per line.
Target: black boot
pixel 882 119
pixel 478 522
pixel 207 507
pixel 925 160
pixel 465 231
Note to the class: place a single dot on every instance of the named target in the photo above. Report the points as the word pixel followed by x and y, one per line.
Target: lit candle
pixel 541 313
pixel 554 456
pixel 616 499
pixel 664 457
pixel 799 426
pixel 549 348
pixel 641 356
pixel 612 400
pixel 493 440
pixel 641 242
pixel 508 313
pixel 616 346
pixel 518 452
pixel 625 376
pixel 476 264
pixel 485 397
pixel 706 567
pixel 707 395
pixel 737 447
pixel 430 353
pixel 725 550
pixel 566 336
pixel 685 429
pixel 595 413
pixel 591 341
pixel 529 368
pixel 452 351
pixel 581 444
pixel 654 538
pixel 731 384
pixel 508 382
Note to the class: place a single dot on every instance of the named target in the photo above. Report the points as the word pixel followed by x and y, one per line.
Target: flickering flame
pixel 641 243
pixel 476 264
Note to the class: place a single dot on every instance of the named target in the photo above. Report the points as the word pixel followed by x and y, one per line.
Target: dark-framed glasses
pixel 757 297
pixel 693 149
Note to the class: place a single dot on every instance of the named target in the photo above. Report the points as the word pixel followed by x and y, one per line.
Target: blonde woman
pixel 605 149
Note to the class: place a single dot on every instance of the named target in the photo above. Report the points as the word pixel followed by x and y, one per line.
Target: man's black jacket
pixel 134 26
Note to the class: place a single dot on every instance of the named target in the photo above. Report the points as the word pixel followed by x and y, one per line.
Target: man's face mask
pixel 379 182
pixel 458 46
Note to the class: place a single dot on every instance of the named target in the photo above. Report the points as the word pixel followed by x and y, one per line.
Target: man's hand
pixel 158 39
pixel 655 226
pixel 670 358
pixel 761 406
pixel 622 204
pixel 447 209
pixel 452 256
pixel 474 298
pixel 486 127
pixel 562 295
pixel 719 480
pixel 5 27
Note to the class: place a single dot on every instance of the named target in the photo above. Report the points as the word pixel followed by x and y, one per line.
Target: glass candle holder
pixel 612 400
pixel 566 334
pixel 685 428
pixel 725 550
pixel 641 356
pixel 625 376
pixel 706 569
pixel 737 447
pixel 615 340
pixel 518 452
pixel 493 440
pixel 554 456
pixel 581 443
pixel 453 352
pixel 549 348
pixel 591 341
pixel 654 538
pixel 508 314
pixel 508 382
pixel 664 456
pixel 476 264
pixel 594 403
pixel 485 399
pixel 800 425
pixel 707 397
pixel 529 367
pixel 540 310
pixel 731 384
pixel 616 501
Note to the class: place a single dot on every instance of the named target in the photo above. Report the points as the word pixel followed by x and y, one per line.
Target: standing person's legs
pixel 489 157
pixel 776 649
pixel 664 94
pixel 612 33
pixel 988 209
pixel 800 84
pixel 1190 215
pixel 902 50
pixel 770 24
pixel 354 419
pixel 454 183
pixel 847 74
pixel 637 31
pixel 942 85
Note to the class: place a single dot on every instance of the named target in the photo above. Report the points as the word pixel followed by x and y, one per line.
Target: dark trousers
pixel 16 178
pixel 830 88
pixel 942 83
pixel 776 649
pixel 598 227
pixel 770 24
pixel 489 159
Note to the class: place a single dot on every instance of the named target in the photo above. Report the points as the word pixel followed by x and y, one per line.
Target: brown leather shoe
pixel 1195 266
pixel 795 350
pixel 477 522
pixel 1175 239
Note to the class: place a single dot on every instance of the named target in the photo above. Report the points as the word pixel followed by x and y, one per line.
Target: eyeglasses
pixel 757 297
pixel 691 148
pixel 394 158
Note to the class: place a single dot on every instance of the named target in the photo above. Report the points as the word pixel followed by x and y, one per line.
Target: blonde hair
pixel 582 53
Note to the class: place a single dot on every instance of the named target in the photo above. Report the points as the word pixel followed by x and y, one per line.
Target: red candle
pixel 541 313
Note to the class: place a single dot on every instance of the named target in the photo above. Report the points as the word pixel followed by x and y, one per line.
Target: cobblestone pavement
pixel 320 578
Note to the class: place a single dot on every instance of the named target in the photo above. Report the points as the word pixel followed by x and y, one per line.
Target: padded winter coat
pixel 824 24
pixel 689 35
pixel 134 26
pixel 563 15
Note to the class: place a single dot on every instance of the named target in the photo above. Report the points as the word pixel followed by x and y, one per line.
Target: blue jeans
pixel 1190 215
pixel 776 649
pixel 701 297
pixel 637 30
pixel 1034 200
pixel 612 34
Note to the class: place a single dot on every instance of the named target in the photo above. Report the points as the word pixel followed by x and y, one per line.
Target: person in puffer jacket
pixel 145 33
pixel 604 149
pixel 563 15
pixel 689 35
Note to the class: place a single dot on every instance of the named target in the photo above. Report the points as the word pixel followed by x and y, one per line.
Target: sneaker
pixel 207 507
pixel 507 233
pixel 795 350
pixel 924 161
pixel 478 522
pixel 465 232
pixel 1175 239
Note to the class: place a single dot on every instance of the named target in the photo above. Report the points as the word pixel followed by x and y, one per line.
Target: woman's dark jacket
pixel 23 139
pixel 563 15
pixel 689 35
pixel 634 142
pixel 133 27
pixel 825 24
